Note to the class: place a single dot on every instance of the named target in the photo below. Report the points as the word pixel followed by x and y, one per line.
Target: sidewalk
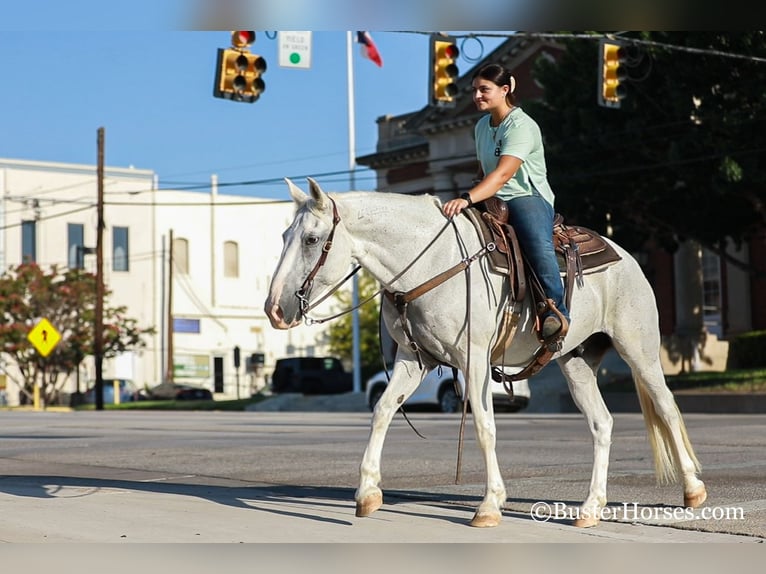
pixel 166 510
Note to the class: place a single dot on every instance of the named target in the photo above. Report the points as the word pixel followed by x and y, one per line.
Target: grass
pixel 736 381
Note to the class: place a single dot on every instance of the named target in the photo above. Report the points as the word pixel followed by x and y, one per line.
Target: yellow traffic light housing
pixel 611 73
pixel 443 71
pixel 238 72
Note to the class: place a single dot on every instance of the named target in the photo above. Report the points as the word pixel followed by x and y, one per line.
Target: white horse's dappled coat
pixel 397 239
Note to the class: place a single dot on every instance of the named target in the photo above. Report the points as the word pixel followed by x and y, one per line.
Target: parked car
pixel 128 392
pixel 168 391
pixel 438 389
pixel 311 376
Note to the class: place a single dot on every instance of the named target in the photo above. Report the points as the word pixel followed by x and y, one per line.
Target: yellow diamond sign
pixel 44 337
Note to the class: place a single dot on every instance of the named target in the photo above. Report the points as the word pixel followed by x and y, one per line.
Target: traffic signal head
pixel 611 74
pixel 242 38
pixel 443 71
pixel 238 76
pixel 237 357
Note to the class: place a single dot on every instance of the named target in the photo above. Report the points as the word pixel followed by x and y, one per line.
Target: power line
pixel 610 35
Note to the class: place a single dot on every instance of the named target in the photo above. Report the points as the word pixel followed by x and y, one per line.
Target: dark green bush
pixel 747 351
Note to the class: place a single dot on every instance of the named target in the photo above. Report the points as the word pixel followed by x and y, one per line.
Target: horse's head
pixel 315 256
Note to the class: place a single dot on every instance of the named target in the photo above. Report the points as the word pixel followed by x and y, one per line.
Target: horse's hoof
pixel 485 520
pixel 586 522
pixel 696 498
pixel 369 504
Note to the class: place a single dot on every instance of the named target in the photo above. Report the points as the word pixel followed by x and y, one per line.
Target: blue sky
pixel 152 92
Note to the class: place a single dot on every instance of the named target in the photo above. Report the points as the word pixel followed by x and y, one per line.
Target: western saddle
pixel 579 251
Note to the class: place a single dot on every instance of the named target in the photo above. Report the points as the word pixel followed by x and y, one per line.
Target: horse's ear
pixel 298 195
pixel 316 192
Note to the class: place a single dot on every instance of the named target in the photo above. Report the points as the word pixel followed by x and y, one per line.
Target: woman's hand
pixel 454 206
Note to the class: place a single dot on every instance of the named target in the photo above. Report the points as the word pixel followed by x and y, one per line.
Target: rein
pixel 400 300
pixel 304 292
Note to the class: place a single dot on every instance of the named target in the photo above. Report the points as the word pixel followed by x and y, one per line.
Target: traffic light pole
pixel 357 380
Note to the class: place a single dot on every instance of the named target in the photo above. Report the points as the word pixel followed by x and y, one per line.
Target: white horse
pixel 404 241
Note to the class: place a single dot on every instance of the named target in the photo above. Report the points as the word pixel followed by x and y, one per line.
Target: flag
pixel 369 49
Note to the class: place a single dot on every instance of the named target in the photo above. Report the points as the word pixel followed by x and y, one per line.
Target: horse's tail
pixel 666 464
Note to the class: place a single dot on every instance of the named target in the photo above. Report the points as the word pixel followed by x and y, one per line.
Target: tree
pixel 68 300
pixel 682 158
pixel 340 331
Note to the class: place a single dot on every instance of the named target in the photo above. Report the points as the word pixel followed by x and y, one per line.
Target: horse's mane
pixel 339 196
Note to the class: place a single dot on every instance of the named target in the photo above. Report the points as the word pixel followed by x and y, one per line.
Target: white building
pixel 225 249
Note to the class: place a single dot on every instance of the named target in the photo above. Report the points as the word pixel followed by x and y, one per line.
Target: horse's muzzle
pixel 277 317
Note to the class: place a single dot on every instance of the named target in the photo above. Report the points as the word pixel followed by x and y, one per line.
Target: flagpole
pixel 352 179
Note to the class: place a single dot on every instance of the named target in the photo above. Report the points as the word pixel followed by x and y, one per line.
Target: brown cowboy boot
pixel 551 326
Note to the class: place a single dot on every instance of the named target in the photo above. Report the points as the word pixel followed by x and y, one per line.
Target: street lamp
pixel 82 251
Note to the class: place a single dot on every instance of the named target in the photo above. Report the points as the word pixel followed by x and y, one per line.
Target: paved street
pixel 290 477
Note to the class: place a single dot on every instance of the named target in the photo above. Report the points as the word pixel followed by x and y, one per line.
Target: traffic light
pixel 611 73
pixel 242 38
pixel 237 357
pixel 238 72
pixel 443 71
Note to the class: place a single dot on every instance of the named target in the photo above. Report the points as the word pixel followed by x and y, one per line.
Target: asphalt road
pixel 290 477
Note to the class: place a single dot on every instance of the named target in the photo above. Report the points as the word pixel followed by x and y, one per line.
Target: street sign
pixel 295 50
pixel 44 337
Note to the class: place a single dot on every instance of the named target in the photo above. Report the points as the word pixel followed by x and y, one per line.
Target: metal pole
pixel 98 343
pixel 352 179
pixel 169 364
pixel 163 290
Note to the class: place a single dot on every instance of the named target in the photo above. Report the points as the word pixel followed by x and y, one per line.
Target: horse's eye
pixel 312 240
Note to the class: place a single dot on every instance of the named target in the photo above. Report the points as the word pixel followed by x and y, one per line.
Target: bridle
pixel 304 292
pixel 400 299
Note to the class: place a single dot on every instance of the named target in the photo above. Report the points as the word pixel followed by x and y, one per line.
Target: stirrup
pixel 555 341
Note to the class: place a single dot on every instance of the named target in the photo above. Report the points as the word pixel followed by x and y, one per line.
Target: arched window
pixel 230 259
pixel 181 255
pixel 120 249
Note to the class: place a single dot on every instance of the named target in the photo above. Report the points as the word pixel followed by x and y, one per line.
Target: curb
pixel 711 403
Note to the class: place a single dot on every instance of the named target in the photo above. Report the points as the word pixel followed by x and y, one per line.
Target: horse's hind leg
pixel 405 378
pixel 580 370
pixel 670 443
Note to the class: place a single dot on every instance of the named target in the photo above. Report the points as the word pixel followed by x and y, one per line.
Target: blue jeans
pixel 532 219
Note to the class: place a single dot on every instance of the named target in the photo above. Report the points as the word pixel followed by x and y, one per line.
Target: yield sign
pixel 44 337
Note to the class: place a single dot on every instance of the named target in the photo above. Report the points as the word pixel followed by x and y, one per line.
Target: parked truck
pixel 311 376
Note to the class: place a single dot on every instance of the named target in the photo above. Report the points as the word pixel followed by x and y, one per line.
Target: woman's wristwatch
pixel 467 197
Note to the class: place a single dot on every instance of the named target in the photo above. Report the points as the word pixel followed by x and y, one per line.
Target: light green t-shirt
pixel 517 135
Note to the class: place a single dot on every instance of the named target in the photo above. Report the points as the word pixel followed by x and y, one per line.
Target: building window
pixel 711 292
pixel 120 250
pixel 75 239
pixel 230 259
pixel 28 241
pixel 181 255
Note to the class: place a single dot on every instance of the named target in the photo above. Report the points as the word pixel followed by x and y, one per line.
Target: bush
pixel 747 351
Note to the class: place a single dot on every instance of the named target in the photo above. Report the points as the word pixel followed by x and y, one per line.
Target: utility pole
pixel 169 365
pixel 98 335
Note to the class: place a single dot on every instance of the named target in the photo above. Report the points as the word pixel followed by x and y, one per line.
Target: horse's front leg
pixel 582 380
pixel 405 378
pixel 480 394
